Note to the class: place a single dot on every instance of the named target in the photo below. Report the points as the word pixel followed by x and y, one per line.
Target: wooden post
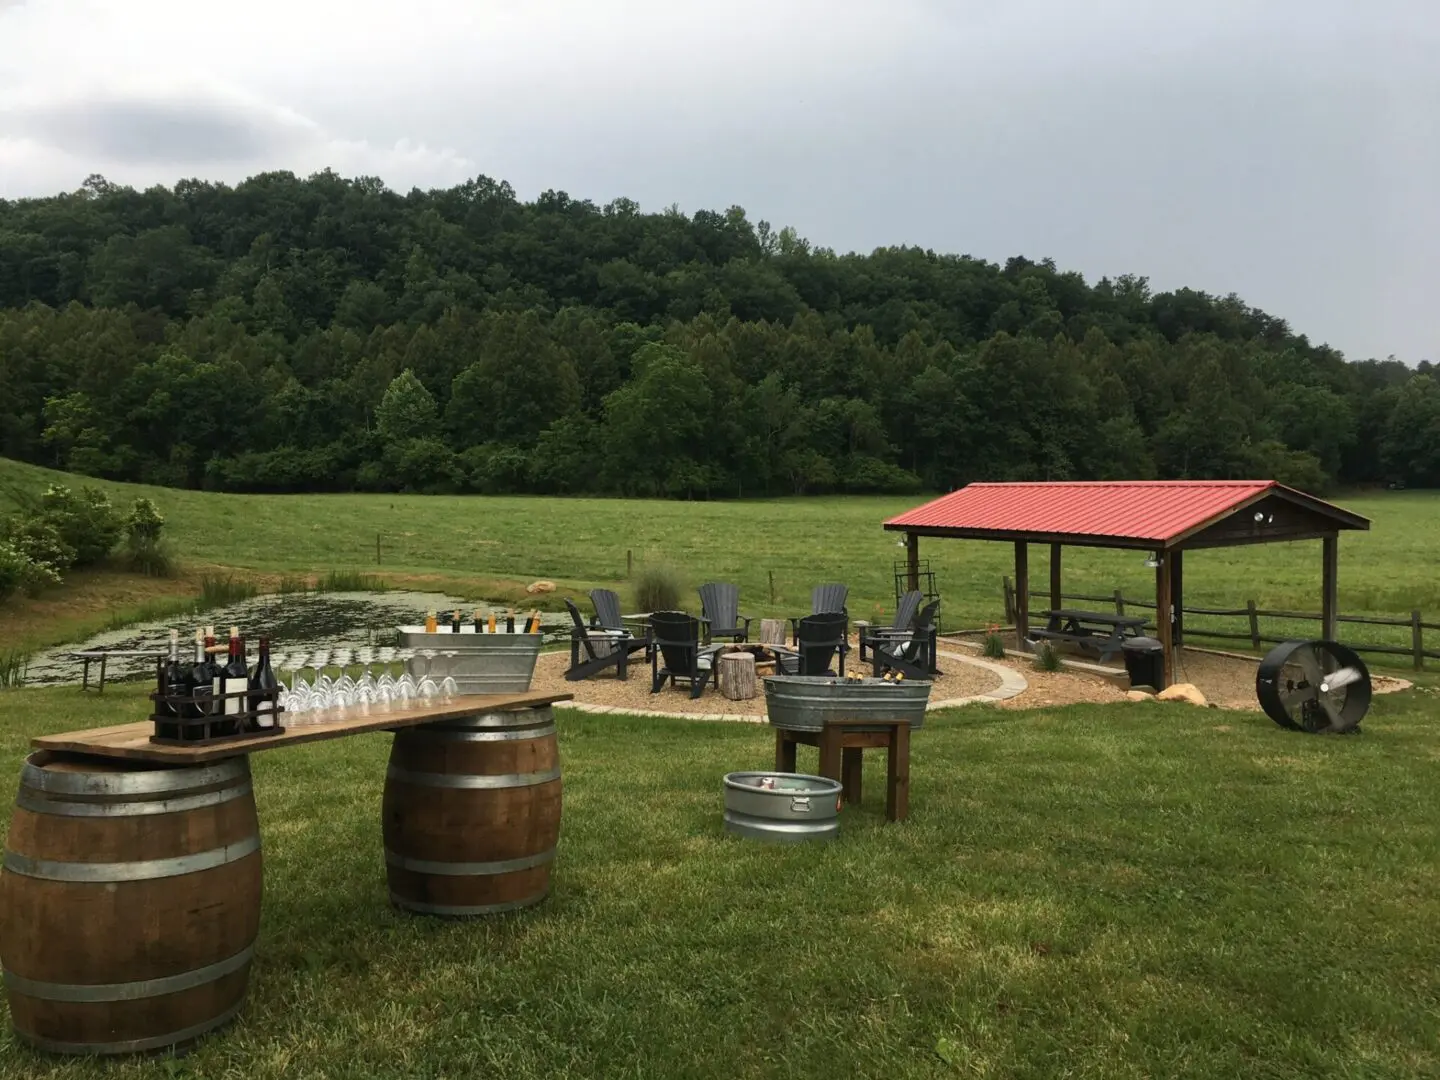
pixel 772 585
pixel 912 560
pixel 1056 596
pixel 1022 595
pixel 1163 629
pixel 1329 586
pixel 1417 642
pixel 1009 591
pixel 1254 625
pixel 629 563
pixel 1177 595
pixel 1119 602
pixel 377 549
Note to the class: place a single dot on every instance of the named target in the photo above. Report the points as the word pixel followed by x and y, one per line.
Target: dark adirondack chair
pixel 913 655
pixel 618 645
pixel 675 639
pixel 720 613
pixel 899 630
pixel 818 639
pixel 607 609
pixel 824 600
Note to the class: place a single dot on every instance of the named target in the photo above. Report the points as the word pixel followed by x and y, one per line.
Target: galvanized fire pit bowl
pixel 782 807
pixel 807 702
pixel 483 663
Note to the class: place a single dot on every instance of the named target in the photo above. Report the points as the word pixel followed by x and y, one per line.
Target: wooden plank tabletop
pixel 132 741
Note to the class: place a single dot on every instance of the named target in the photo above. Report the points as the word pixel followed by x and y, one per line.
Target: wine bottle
pixel 430 623
pixel 492 622
pixel 478 624
pixel 455 622
pixel 532 625
pixel 263 688
pixel 214 668
pixel 202 690
pixel 175 683
pixel 510 621
pixel 235 675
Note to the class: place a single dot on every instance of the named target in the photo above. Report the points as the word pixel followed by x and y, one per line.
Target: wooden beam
pixel 912 559
pixel 1177 595
pixel 1022 594
pixel 1163 629
pixel 1055 590
pixel 1329 585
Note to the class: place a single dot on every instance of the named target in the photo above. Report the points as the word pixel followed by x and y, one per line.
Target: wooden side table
pixel 841 744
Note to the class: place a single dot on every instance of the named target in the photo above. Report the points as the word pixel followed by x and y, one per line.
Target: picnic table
pixel 103 655
pixel 1099 632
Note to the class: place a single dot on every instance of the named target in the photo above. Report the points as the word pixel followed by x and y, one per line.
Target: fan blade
pixel 1308 659
pixel 1336 722
pixel 1336 679
pixel 1298 696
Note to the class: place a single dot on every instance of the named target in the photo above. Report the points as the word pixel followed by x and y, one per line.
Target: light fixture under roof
pixel 1152 561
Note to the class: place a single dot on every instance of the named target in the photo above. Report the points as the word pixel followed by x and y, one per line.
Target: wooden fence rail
pixel 1415 650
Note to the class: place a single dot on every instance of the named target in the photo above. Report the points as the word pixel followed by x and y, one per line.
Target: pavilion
pixel 1164 517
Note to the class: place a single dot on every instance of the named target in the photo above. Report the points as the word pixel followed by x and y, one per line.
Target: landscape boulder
pixel 539 587
pixel 1182 692
pixel 1139 695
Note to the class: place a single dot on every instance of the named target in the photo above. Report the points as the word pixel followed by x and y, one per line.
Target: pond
pixel 292 621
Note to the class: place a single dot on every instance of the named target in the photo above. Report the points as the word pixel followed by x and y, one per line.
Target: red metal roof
pixel 1156 510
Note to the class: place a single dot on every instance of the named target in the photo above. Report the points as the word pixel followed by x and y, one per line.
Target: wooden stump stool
pixel 735 675
pixel 772 631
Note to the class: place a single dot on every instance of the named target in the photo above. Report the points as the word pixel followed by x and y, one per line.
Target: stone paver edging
pixel 1011 684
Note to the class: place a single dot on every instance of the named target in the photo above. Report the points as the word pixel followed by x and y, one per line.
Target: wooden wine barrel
pixel 129 902
pixel 472 813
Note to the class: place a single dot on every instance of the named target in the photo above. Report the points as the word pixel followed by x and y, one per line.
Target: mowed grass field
pixel 797 543
pixel 1136 892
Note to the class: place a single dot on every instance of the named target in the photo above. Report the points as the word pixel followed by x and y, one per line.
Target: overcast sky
pixel 1286 150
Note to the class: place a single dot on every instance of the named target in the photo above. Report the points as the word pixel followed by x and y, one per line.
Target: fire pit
pixel 780 806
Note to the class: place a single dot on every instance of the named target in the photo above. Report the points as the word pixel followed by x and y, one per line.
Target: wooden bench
pixel 1098 632
pixel 841 744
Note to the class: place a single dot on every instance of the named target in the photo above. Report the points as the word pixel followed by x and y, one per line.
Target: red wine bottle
pixel 214 667
pixel 234 677
pixel 264 688
pixel 202 678
pixel 173 682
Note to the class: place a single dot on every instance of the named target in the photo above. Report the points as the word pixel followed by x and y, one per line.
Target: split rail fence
pixel 1252 635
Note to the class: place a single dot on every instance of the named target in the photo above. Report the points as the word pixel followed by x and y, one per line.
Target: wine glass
pixel 405 688
pixel 429 690
pixel 449 688
pixel 298 699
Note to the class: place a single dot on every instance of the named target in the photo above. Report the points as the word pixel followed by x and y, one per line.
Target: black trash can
pixel 1145 662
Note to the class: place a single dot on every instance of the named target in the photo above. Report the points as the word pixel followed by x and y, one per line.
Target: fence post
pixel 1119 602
pixel 772 585
pixel 1417 640
pixel 1254 625
pixel 1009 592
pixel 377 549
pixel 629 563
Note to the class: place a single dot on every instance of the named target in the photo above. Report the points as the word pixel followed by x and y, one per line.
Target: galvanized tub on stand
pixel 483 663
pixel 784 807
pixel 807 702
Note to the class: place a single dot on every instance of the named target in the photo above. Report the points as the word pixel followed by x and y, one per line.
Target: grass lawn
pixel 493 543
pixel 1146 891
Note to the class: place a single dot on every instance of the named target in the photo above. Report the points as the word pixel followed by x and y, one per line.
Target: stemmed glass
pixel 429 689
pixel 405 685
pixel 344 692
pixel 449 688
pixel 322 695
pixel 365 688
pixel 298 699
pixel 385 685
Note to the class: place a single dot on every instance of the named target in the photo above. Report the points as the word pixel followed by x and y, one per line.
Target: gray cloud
pixel 139 132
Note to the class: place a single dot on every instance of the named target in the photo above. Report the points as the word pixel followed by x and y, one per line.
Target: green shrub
pixel 1046 658
pixel 86 521
pixel 13 663
pixel 994 645
pixel 145 550
pixel 40 542
pixel 658 588
pixel 19 573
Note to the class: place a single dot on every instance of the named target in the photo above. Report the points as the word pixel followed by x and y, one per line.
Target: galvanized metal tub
pixel 807 702
pixel 483 663
pixel 798 806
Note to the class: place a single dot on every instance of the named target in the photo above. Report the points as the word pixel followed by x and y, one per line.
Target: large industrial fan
pixel 1316 686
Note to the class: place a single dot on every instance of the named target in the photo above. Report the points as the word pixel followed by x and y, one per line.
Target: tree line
pixel 291 334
